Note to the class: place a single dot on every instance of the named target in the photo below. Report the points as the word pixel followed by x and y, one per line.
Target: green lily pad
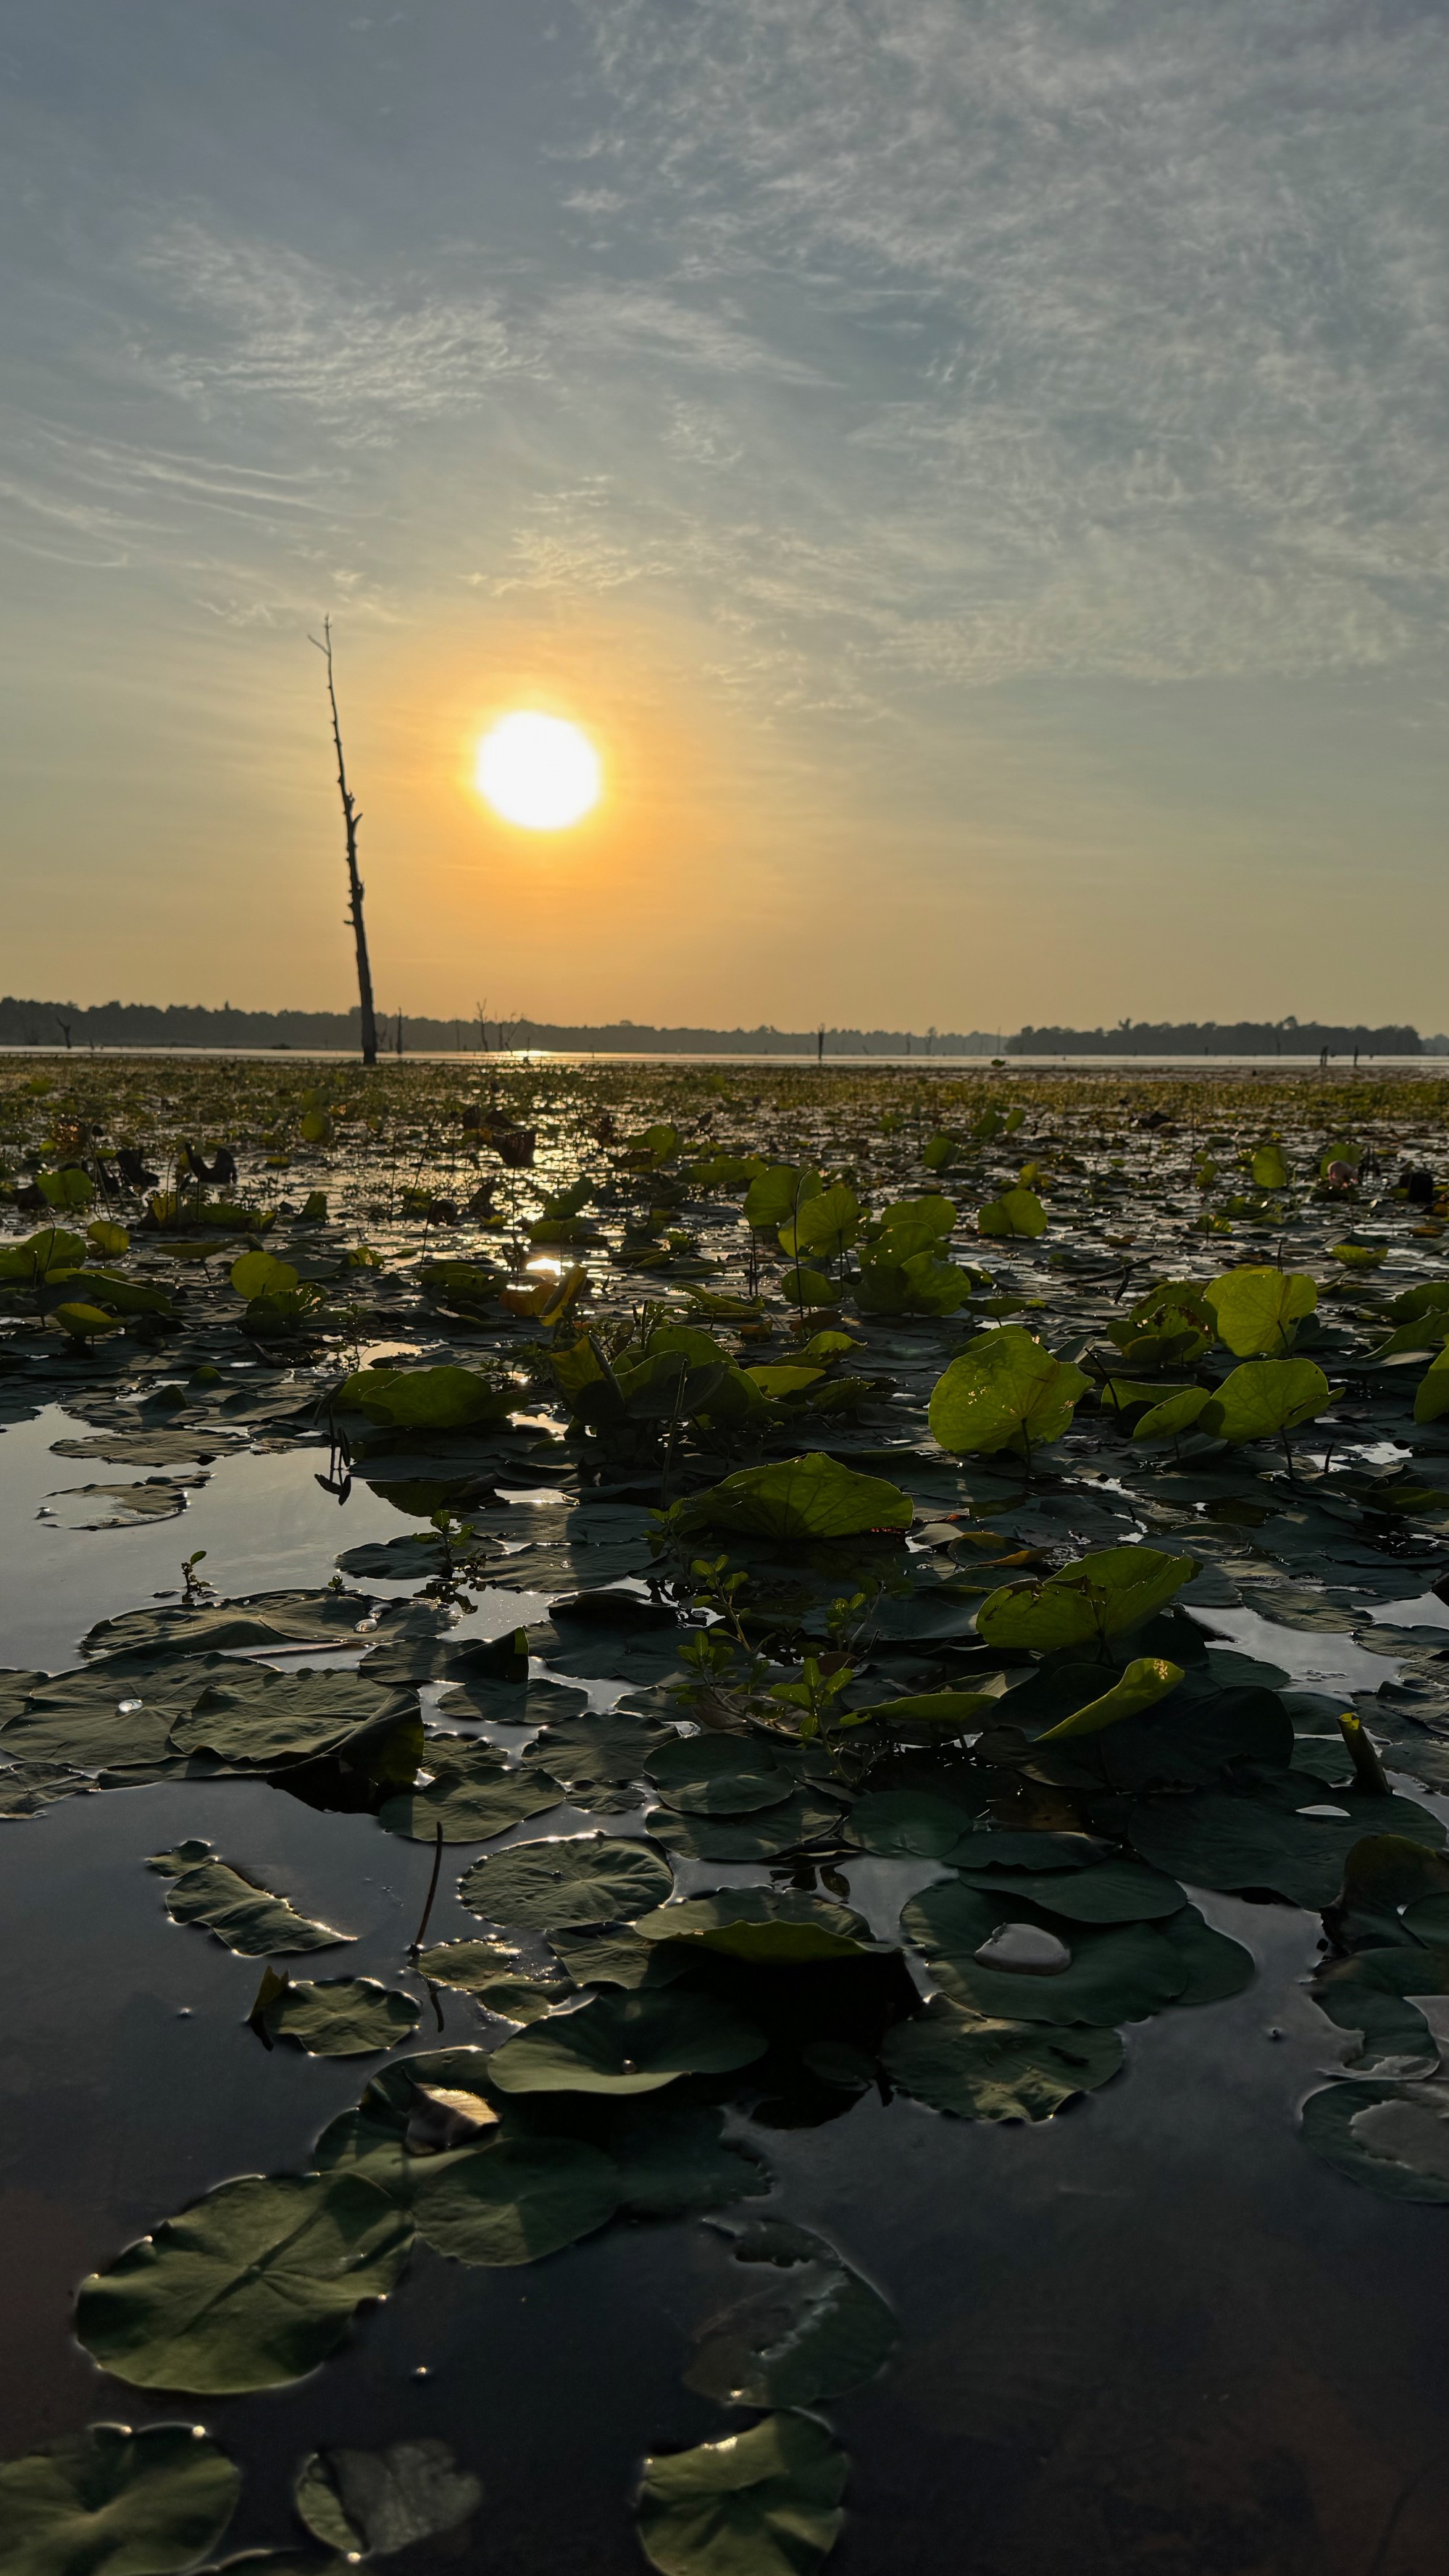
pixel 473 1797
pixel 568 1879
pixel 627 2043
pixel 253 2285
pixel 1264 1398
pixel 263 1619
pixel 1099 1596
pixel 1216 1966
pixel 817 2332
pixel 1109 1891
pixel 469 1965
pixel 427 1399
pixel 517 2201
pixel 765 2502
pixel 996 2070
pixel 813 1497
pixel 416 2118
pixel 769 1927
pixel 262 1720
pixel 1259 1310
pixel 1004 1391
pixel 1118 1973
pixel 804 1819
pixel 338 2017
pixel 717 1775
pixel 236 1909
pixel 373 2503
pixel 914 1821
pixel 595 1752
pixel 110 2502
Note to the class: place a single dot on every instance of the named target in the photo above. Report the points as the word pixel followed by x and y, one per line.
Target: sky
pixel 975 469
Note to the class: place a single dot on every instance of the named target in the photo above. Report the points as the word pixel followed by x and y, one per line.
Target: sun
pixel 538 771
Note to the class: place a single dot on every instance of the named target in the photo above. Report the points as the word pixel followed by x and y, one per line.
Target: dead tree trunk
pixel 350 819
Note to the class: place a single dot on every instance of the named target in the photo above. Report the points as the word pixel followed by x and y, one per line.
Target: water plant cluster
pixel 822 1646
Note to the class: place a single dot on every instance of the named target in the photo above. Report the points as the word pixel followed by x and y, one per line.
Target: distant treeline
pixel 179 1024
pixel 1217 1037
pixel 144 1024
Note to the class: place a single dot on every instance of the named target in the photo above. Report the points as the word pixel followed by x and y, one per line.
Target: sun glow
pixel 539 772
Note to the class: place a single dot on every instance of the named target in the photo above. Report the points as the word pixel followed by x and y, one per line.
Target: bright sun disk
pixel 538 771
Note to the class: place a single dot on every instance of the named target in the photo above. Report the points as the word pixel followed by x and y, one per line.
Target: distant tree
pixel 350 820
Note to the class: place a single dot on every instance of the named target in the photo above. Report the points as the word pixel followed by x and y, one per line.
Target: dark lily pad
pixel 236 1909
pixel 802 1820
pixel 717 1775
pixel 568 1879
pixel 817 2332
pixel 373 2503
pixel 996 2070
pixel 107 2499
pixel 253 2285
pixel 765 2502
pixel 1392 2137
pixel 336 2017
pixel 517 2201
pixel 627 2043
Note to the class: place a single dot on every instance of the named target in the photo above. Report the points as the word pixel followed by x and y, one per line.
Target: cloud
pixel 1140 312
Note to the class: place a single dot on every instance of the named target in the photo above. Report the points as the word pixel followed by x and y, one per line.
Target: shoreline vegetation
pixel 67 1025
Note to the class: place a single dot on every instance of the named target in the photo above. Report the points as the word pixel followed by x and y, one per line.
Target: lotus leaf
pixel 236 1909
pixel 1016 1212
pixel 110 2502
pixel 1004 1391
pixel 1392 2137
pixel 1258 1311
pixel 817 2332
pixel 775 1194
pixel 805 1819
pixel 372 2503
pixel 472 1797
pixel 760 2503
pixel 253 2285
pixel 1266 1398
pixel 1216 1839
pixel 517 2201
pixel 1432 1400
pixel 768 1927
pixel 717 1775
pixel 996 2070
pixel 427 1399
pixel 338 2017
pixel 567 1880
pixel 812 1497
pixel 1101 1596
pixel 626 2043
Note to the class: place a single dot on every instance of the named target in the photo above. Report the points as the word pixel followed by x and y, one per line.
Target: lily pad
pixel 1109 1891
pixel 265 1619
pixel 817 2332
pixel 813 1497
pixel 627 2043
pixel 110 2502
pixel 568 1879
pixel 338 2017
pixel 253 2285
pixel 767 1926
pixel 805 1819
pixel 996 2070
pixel 1392 2137
pixel 471 1798
pixel 236 1909
pixel 1004 1391
pixel 1117 1973
pixel 1096 1597
pixel 717 1775
pixel 517 2201
pixel 766 2502
pixel 373 2503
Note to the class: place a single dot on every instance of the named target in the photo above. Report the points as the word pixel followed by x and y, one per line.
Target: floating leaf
pixel 717 1775
pixel 769 1927
pixel 1015 1212
pixel 626 2043
pixel 797 1498
pixel 1432 1399
pixel 805 1819
pixel 253 2285
pixel 473 1797
pixel 427 1399
pixel 817 2332
pixel 1100 1596
pixel 1106 1891
pixel 761 2503
pixel 1005 1391
pixel 337 2017
pixel 567 1879
pixel 1392 2137
pixel 372 2503
pixel 995 2070
pixel 516 2201
pixel 110 2502
pixel 1259 1310
pixel 235 1908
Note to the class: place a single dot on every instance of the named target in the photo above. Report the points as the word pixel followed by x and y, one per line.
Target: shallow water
pixel 1152 2334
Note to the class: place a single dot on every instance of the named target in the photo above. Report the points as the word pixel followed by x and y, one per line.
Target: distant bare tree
pixel 350 819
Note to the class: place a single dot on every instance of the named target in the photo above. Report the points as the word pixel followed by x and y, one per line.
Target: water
pixel 1153 2335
